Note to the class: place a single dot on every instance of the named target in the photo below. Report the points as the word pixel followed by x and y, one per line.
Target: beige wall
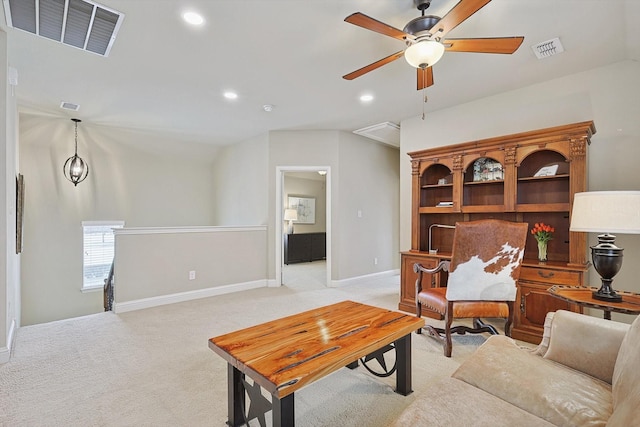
pixel 239 183
pixel 368 198
pixel 153 264
pixel 169 186
pixel 610 96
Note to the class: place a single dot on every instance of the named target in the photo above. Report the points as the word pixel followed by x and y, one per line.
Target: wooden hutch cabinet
pixel 527 177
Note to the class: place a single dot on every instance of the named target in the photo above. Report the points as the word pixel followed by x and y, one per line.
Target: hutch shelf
pixel 526 177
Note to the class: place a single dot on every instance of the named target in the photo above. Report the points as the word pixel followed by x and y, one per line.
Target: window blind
pixel 98 250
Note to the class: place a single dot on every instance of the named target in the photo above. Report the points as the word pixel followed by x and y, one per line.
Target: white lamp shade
pixel 616 212
pixel 290 215
pixel 424 53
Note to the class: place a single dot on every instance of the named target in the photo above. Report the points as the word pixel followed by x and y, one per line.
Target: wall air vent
pixel 387 132
pixel 548 48
pixel 79 23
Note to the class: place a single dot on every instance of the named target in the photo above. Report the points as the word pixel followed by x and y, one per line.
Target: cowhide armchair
pixel 483 271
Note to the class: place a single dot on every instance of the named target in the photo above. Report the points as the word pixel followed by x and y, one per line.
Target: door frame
pixel 279 229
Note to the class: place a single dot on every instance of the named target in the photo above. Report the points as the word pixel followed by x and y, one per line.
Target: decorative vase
pixel 542 251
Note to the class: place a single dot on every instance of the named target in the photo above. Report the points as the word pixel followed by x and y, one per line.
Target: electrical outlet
pixel 192 275
pixel 375 261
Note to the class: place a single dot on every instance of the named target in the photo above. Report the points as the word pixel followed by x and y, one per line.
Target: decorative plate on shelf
pixel 487 169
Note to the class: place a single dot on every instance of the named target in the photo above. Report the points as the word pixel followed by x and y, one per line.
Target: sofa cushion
pixel 454 403
pixel 549 390
pixel 626 380
pixel 573 343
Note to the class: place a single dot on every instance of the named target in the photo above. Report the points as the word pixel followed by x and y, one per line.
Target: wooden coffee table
pixel 284 355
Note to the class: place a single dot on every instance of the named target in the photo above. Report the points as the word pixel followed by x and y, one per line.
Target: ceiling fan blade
pixel 425 77
pixel 457 15
pixel 364 21
pixel 484 45
pixel 373 66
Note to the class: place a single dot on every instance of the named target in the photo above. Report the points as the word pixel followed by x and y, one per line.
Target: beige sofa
pixel 586 372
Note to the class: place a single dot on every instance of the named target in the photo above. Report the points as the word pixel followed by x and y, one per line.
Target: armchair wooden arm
pixel 418 268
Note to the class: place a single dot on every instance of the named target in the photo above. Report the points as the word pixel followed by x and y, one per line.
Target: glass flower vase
pixel 542 251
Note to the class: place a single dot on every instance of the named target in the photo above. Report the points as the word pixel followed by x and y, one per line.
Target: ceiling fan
pixel 425 39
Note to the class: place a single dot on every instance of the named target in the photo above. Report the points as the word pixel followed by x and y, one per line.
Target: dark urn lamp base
pixel 607 260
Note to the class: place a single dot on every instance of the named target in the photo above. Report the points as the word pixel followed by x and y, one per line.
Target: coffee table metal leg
pixel 403 359
pixel 283 413
pixel 235 396
pixel 353 365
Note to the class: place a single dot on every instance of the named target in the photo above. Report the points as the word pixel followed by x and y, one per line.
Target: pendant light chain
pixel 76 152
pixel 424 101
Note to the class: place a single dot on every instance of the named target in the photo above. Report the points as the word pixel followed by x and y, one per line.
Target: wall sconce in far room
pixel 290 215
pixel 75 169
pixel 606 212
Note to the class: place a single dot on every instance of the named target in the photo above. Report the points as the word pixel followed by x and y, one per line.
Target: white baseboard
pixel 122 307
pixel 364 279
pixel 5 352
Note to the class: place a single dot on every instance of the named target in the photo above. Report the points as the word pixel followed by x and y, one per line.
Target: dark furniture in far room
pixel 304 247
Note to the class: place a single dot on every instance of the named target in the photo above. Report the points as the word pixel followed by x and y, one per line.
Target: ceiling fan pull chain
pixel 424 94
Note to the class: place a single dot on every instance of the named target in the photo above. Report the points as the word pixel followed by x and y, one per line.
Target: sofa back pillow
pixel 574 344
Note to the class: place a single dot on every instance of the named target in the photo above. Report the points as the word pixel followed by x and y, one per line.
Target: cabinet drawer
pixel 550 276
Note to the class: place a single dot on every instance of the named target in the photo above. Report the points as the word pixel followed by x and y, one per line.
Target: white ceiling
pixel 162 75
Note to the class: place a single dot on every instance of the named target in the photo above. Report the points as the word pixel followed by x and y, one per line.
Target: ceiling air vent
pixel 69 106
pixel 83 24
pixel 548 48
pixel 387 132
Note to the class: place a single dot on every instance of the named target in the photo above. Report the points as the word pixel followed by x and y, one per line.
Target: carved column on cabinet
pixel 415 205
pixel 578 155
pixel 510 178
pixel 458 178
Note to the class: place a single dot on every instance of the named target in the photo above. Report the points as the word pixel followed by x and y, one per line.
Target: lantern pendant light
pixel 75 169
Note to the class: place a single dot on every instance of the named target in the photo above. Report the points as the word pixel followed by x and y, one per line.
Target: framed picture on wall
pixel 306 207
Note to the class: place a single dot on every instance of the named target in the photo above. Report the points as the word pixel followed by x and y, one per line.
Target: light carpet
pixel 153 367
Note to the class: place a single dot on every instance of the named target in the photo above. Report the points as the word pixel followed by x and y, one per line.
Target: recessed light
pixel 366 98
pixel 230 95
pixel 193 18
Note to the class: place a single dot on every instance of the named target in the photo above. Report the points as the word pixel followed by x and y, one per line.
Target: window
pixel 98 251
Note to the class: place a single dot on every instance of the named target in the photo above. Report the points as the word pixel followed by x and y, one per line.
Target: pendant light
pixel 75 169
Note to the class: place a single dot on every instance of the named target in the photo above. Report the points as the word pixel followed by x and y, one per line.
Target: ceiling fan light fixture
pixel 424 53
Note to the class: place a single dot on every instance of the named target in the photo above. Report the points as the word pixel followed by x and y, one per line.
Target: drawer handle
pixel 523 307
pixel 545 276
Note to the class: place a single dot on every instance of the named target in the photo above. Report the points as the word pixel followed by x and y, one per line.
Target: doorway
pixel 306 189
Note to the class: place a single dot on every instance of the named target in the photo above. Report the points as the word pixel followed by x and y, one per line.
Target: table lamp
pixel 290 215
pixel 606 212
